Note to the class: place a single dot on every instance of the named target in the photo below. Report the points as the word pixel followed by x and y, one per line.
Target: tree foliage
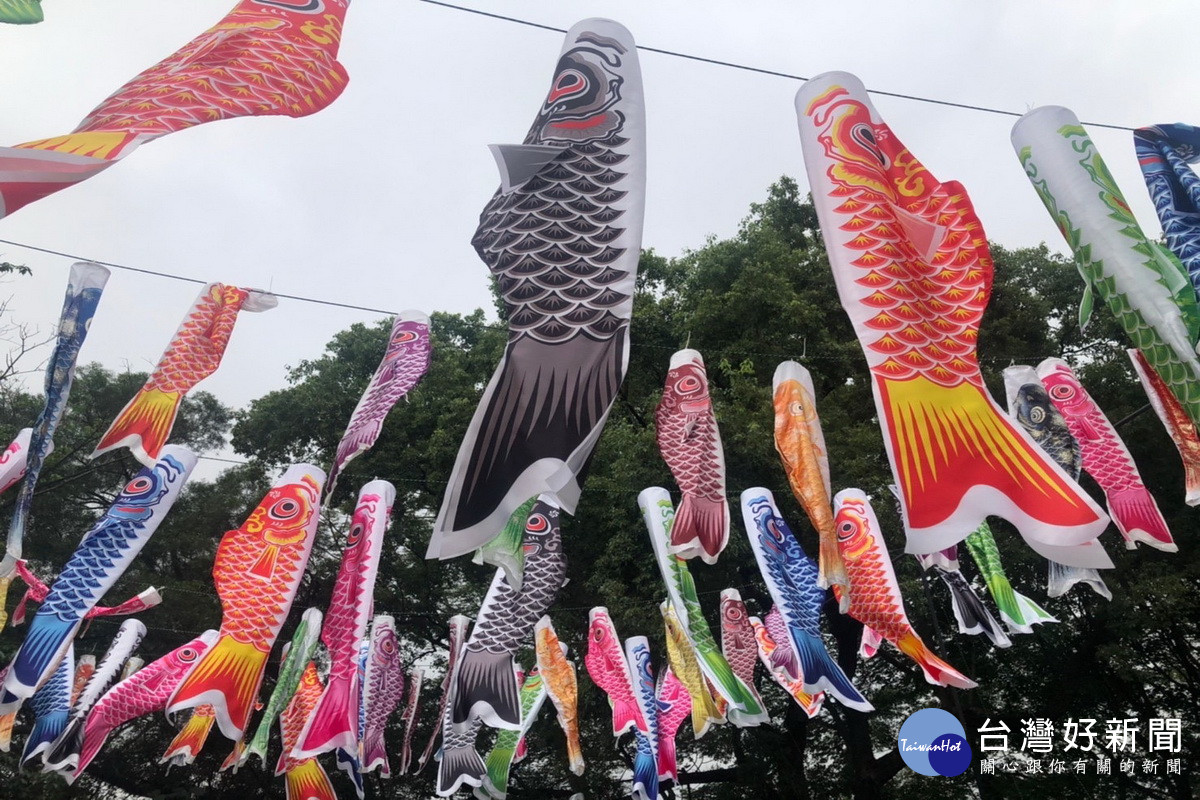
pixel 748 302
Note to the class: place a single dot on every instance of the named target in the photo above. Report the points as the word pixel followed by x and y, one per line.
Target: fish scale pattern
pixel 507 622
pixel 383 692
pixel 737 636
pixel 251 63
pixel 195 351
pixel 549 245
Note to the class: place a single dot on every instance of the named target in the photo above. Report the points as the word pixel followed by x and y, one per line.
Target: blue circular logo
pixel 933 742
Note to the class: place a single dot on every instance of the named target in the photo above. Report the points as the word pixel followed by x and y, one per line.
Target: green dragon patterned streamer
pixel 1018 611
pixel 1143 284
pixel 299 653
pixel 505 551
pixel 495 785
pixel 744 708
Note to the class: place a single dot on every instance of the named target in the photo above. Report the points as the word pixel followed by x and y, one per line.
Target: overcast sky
pixel 373 201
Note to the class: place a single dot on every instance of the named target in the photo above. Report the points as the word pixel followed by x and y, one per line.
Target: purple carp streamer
pixel 383 690
pixel 84 288
pixel 404 363
pixel 562 237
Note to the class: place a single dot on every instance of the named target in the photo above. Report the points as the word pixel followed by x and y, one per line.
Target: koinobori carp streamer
pixel 913 271
pixel 562 237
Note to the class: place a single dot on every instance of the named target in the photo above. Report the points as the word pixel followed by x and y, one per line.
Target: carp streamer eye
pixel 284 509
pixel 188 655
pixel 405 336
pixel 537 524
pixel 569 82
pixel 847 529
pixel 1062 392
pixel 139 485
pixel 687 385
pixel 1037 415
pixel 388 646
pixel 796 408
pixel 864 136
pixel 773 529
pixel 355 535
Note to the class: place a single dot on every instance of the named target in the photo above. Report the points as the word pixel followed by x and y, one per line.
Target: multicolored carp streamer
pixel 51 711
pixel 1164 152
pixel 21 12
pixel 608 669
pixel 645 763
pixel 84 288
pixel 334 722
pixel 972 616
pixel 913 271
pixel 304 778
pixel 459 626
pixel 706 710
pixel 14 459
pixel 562 237
pixel 383 688
pixel 103 555
pixel 194 353
pixel 503 754
pixel 504 550
pixel 1105 458
pixel 409 717
pixel 875 599
pixel 256 572
pixel 1030 406
pixel 737 640
pixel 690 443
pixel 1144 285
pixel 272 57
pixel 674 704
pixel 558 672
pixel 791 578
pixel 1179 425
pixel 1018 611
pixel 63 756
pixel 190 740
pixel 800 443
pixel 506 620
pixel 745 707
pixel 296 655
pixel 404 363
pixel 768 645
pixel 143 692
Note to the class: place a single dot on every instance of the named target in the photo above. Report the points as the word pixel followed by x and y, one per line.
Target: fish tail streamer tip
pixel 1191 483
pixel 937 671
pixel 667 760
pixel 822 672
pixel 645 774
pixel 375 756
pixel 1137 517
pixel 308 781
pixel 625 716
pixel 487 686
pixel 701 528
pixel 1031 612
pixel 870 643
pixel 958 459
pixel 189 741
pixel 227 677
pixel 143 425
pixel 64 753
pixel 459 765
pixel 44 646
pixel 94 736
pixel 332 724
pixel 46 731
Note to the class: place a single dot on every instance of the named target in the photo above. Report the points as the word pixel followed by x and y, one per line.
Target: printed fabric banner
pixel 562 237
pixel 912 268
pixel 263 58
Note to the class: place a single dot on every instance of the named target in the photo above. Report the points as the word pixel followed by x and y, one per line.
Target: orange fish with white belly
pixel 257 572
